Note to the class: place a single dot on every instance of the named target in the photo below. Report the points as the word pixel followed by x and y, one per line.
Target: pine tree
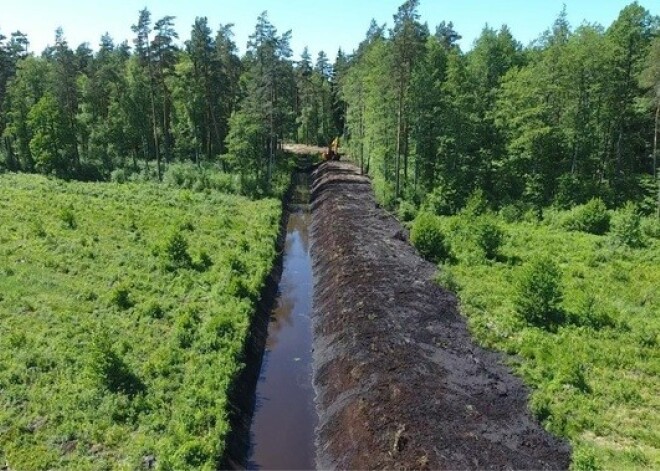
pixel 630 37
pixel 227 77
pixel 144 54
pixel 408 38
pixel 164 52
pixel 650 79
pixel 65 91
pixel 268 109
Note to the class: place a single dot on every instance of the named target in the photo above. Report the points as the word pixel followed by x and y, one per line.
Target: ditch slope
pixel 399 381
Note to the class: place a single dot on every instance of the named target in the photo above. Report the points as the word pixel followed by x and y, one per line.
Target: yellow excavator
pixel 333 151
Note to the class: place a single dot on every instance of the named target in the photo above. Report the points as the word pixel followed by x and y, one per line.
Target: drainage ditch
pixel 282 431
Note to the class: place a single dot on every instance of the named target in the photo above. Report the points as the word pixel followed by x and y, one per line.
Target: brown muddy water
pixel 282 433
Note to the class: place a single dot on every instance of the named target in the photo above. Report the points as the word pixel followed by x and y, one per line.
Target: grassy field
pixel 595 377
pixel 123 312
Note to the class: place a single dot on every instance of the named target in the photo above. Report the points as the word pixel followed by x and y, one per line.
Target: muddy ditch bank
pixel 399 381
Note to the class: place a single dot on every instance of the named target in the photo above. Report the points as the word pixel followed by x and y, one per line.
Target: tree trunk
pixel 271 150
pixel 655 156
pixel 619 160
pixel 167 144
pixel 397 164
pixel 405 154
pixel 155 130
pixel 362 140
pixel 214 120
pixel 209 138
pixel 154 118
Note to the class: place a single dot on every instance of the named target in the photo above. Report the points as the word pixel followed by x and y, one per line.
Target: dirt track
pixel 400 384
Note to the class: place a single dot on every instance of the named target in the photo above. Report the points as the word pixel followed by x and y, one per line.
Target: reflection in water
pixel 284 419
pixel 294 296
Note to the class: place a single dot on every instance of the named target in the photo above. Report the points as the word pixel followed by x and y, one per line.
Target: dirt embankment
pixel 400 383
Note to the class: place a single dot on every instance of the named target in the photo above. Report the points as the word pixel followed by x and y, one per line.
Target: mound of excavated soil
pixel 400 384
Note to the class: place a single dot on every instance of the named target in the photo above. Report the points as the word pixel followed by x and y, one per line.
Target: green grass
pixel 123 313
pixel 595 379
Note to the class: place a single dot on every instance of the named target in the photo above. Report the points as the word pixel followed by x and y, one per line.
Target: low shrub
pixel 37 228
pixel 121 297
pixel 592 217
pixel 446 279
pixel 539 294
pixel 88 172
pixel 205 262
pixel 222 182
pixel 489 236
pixel 176 252
pixel 119 175
pixel 110 370
pixel 186 327
pixel 476 204
pixel 590 313
pixel 427 237
pixel 193 454
pixel 627 228
pixel 585 459
pixel 406 211
pixel 154 310
pixel 474 238
pixel 441 202
pixel 68 217
pixel 187 226
pixel 180 175
pixel 512 213
pixel 198 179
pixel 651 228
pixel 572 373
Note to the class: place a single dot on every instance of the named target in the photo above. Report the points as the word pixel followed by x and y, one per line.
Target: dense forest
pixel 126 110
pixel 571 116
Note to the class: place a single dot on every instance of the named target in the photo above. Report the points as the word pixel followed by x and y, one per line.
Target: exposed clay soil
pixel 400 384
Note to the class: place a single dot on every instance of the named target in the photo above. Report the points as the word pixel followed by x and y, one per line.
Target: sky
pixel 326 25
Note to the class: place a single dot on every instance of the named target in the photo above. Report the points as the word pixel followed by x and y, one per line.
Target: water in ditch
pixel 282 434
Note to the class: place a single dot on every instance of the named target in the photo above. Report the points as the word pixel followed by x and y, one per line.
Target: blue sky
pixel 325 25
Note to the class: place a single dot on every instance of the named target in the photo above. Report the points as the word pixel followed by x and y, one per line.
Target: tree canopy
pixel 573 115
